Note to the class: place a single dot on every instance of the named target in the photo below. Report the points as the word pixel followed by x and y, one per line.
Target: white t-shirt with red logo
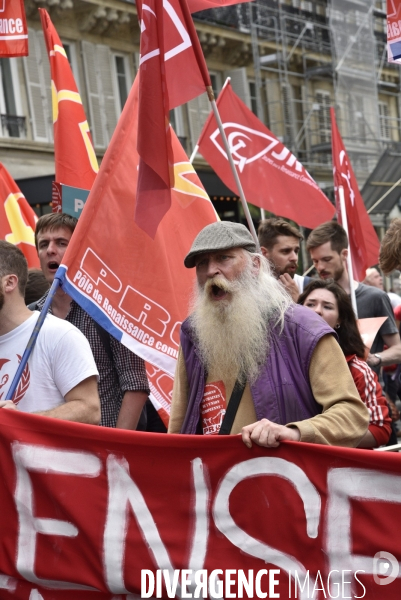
pixel 61 359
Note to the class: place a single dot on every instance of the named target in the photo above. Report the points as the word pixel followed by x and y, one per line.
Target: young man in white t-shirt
pixel 60 378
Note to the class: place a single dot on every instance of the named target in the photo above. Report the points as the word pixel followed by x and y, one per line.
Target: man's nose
pixel 51 248
pixel 213 268
pixel 294 257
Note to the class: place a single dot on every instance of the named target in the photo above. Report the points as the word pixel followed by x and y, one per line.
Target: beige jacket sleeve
pixel 179 401
pixel 344 419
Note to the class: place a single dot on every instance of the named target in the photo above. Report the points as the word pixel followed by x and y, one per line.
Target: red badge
pixel 213 407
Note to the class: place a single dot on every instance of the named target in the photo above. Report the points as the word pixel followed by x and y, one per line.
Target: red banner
pixel 13 28
pixel 394 31
pixel 363 241
pixel 86 510
pixel 18 219
pixel 271 176
pixel 75 159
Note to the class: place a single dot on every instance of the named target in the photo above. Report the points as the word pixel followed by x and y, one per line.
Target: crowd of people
pixel 265 353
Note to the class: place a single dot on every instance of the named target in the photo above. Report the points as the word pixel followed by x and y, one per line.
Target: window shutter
pixel 198 111
pixel 240 84
pixel 94 93
pixel 108 97
pixel 39 90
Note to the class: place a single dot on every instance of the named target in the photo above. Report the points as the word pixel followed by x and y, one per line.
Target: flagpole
pixel 194 153
pixel 232 165
pixel 349 258
pixel 32 340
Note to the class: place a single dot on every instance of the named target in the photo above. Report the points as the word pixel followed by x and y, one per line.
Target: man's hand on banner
pixel 8 404
pixel 268 434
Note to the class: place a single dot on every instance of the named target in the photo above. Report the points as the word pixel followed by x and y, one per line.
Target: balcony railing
pixel 13 126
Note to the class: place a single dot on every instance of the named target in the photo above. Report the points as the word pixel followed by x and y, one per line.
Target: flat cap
pixel 221 235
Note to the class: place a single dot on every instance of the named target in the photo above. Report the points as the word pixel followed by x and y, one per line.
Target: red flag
pixel 13 28
pixel 198 5
pixel 394 31
pixel 169 48
pixel 76 163
pixel 270 175
pixel 18 220
pixel 134 286
pixel 363 241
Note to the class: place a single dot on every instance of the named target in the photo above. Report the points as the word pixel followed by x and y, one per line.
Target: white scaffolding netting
pixel 351 26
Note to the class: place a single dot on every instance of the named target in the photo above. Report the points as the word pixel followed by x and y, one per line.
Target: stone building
pixel 289 60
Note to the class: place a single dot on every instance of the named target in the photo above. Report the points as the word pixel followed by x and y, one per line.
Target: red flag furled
pixel 13 29
pixel 198 5
pixel 92 513
pixel 270 175
pixel 18 220
pixel 394 31
pixel 137 287
pixel 76 163
pixel 363 241
pixel 169 47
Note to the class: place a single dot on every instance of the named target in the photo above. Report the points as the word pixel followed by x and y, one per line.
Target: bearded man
pixel 246 341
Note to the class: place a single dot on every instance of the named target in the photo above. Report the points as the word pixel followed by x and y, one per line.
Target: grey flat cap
pixel 221 235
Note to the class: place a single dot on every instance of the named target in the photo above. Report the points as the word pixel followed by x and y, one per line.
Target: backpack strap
pixel 232 408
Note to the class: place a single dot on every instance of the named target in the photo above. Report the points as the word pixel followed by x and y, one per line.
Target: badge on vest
pixel 213 407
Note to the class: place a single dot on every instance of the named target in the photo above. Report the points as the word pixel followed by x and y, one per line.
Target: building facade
pixel 289 61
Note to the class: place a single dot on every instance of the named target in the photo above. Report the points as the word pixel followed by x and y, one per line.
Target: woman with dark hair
pixel 330 301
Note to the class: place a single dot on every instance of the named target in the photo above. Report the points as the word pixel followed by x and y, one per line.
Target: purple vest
pixel 282 391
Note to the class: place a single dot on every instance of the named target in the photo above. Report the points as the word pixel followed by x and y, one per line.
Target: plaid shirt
pixel 126 372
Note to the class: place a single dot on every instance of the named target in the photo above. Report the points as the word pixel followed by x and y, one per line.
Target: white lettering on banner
pixel 147 312
pixel 78 204
pixel 258 467
pixel 28 457
pixel 345 485
pixel 132 304
pixel 124 492
pixel 125 495
pixel 98 271
pixel 34 595
pixel 11 26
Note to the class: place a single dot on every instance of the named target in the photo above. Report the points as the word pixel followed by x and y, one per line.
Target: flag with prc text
pixel 136 286
pixel 271 176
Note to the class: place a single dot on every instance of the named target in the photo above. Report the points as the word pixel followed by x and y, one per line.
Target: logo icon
pixel 385 568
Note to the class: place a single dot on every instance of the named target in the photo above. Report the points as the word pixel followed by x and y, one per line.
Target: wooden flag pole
pixel 349 258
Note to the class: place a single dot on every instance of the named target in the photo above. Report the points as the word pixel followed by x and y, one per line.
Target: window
pixel 122 79
pixel 253 97
pixel 102 91
pixel 12 123
pixel 323 116
pixel 37 75
pixel 384 121
pixel 70 50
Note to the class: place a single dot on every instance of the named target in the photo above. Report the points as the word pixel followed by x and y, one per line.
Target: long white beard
pixel 233 334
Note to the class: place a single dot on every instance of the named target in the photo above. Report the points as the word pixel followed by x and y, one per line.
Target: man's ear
pixel 344 253
pixel 264 251
pixel 10 282
pixel 255 265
